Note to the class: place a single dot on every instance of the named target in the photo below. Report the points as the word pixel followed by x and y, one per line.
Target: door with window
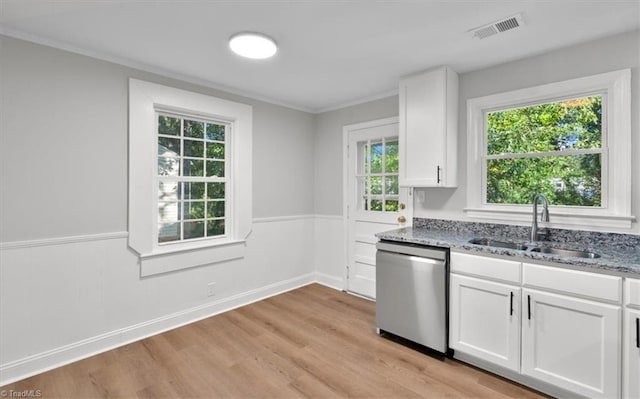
pixel 374 202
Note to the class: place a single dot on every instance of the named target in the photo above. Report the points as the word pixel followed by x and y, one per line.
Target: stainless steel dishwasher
pixel 411 293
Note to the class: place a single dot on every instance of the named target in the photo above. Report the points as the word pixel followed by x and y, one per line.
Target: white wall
pixel 612 53
pixel 604 55
pixel 69 285
pixel 63 154
pixel 64 145
pixel 328 148
pixel 330 252
pixel 616 52
pixel 60 302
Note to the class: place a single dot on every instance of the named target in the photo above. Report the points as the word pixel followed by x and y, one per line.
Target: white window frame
pixel 145 101
pixel 615 212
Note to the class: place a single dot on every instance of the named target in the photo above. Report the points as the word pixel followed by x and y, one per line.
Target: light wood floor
pixel 312 342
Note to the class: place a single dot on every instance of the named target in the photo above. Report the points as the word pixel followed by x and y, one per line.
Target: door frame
pixel 346 131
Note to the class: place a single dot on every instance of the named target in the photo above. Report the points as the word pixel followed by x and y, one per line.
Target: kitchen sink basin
pixel 488 242
pixel 501 244
pixel 565 252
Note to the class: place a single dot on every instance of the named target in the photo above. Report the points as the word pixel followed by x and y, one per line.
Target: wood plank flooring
pixel 313 342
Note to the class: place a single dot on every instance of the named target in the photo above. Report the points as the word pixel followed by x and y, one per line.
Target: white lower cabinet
pixel 632 354
pixel 572 343
pixel 485 320
pixel 559 330
pixel 631 340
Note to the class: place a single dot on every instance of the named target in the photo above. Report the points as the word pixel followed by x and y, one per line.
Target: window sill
pixel 167 259
pixel 558 218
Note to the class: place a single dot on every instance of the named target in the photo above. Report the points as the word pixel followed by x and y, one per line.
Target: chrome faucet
pixel 544 217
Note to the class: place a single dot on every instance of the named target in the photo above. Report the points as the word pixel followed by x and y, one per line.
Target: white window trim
pixel 616 211
pixel 145 99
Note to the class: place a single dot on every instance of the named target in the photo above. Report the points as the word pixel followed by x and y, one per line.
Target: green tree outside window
pixel 553 149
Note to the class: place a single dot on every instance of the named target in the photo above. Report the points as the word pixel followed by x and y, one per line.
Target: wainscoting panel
pixel 69 298
pixel 330 251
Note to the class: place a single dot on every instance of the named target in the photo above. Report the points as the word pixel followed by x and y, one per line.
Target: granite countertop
pixel 620 253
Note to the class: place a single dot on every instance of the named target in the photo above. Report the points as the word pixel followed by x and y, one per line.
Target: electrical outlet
pixel 211 289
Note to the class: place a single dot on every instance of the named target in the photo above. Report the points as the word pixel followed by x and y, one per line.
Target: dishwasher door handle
pixel 421 251
pixel 407 261
pixel 418 259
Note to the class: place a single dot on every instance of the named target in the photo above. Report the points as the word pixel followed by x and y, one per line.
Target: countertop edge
pixel 458 242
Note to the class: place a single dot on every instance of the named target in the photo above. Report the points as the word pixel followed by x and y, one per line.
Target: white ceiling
pixel 331 52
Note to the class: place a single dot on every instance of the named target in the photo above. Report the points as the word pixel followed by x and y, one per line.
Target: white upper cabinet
pixel 429 129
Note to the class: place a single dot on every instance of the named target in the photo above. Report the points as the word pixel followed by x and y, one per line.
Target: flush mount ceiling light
pixel 253 45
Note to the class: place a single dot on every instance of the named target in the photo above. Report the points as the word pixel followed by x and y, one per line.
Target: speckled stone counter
pixel 620 253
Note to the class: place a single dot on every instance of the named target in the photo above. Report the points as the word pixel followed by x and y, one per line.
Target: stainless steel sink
pixel 488 242
pixel 565 252
pixel 501 244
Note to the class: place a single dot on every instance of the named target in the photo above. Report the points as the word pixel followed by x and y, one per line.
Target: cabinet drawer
pixel 632 288
pixel 489 268
pixel 584 284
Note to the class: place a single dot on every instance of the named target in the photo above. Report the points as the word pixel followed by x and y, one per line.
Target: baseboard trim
pixel 330 281
pixel 527 381
pixel 39 363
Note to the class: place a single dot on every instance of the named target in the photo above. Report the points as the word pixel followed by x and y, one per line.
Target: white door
pixel 374 202
pixel 572 343
pixel 485 320
pixel 631 348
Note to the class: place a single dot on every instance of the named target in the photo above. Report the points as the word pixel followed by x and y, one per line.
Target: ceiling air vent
pixel 500 26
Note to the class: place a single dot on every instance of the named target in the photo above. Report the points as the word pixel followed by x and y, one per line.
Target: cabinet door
pixel 631 354
pixel 484 320
pixel 422 129
pixel 572 343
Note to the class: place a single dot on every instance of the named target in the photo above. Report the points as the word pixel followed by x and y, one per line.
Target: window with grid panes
pixel 569 140
pixel 192 178
pixel 377 175
pixel 554 148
